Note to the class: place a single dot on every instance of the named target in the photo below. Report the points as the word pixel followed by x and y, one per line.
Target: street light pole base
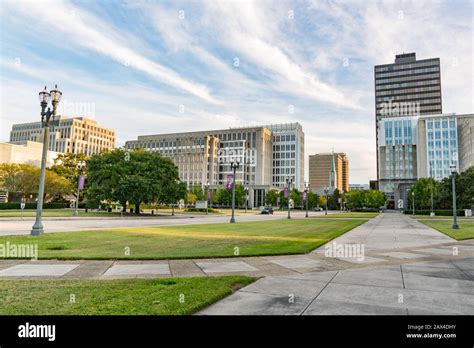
pixel 455 227
pixel 37 230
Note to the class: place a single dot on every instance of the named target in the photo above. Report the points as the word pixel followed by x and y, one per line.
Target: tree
pixel 271 198
pixel 360 199
pixel 198 192
pixel 172 193
pixel 423 188
pixel 66 165
pixel 190 198
pixel 137 177
pixel 24 178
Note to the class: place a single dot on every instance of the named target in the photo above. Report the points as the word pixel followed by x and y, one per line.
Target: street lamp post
pixel 80 166
pixel 206 188
pixel 326 191
pixel 234 166
pixel 455 214
pixel 289 182
pixel 307 197
pixel 45 97
pixel 246 198
pixel 413 201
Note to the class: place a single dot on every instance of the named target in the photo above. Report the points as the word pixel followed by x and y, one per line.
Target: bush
pixel 460 212
pixel 56 205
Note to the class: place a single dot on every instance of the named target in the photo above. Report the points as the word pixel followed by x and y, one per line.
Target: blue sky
pixel 146 67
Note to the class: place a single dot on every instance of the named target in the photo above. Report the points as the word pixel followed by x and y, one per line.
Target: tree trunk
pixel 124 206
pixel 137 208
pixel 172 210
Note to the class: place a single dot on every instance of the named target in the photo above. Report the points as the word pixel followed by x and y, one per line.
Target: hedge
pixel 210 210
pixel 7 206
pixel 447 212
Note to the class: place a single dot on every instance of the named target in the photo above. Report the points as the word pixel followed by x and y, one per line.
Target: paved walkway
pixel 407 268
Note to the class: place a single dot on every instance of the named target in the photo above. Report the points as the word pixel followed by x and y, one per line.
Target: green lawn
pixel 465 231
pixel 437 217
pixel 350 215
pixel 115 297
pixel 295 236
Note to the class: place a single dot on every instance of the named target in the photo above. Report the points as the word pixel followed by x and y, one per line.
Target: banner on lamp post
pixel 285 192
pixel 81 182
pixel 230 182
pixel 304 195
pixel 208 194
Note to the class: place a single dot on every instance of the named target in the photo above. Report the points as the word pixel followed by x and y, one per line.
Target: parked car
pixel 318 209
pixel 267 210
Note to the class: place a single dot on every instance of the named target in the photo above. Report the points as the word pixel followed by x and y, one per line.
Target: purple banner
pixel 209 195
pixel 285 192
pixel 304 195
pixel 81 182
pixel 230 182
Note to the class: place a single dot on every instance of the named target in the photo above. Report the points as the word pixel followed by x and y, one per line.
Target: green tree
pixel 271 198
pixel 172 193
pixel 198 192
pixel 423 188
pixel 464 190
pixel 190 198
pixel 137 177
pixel 24 178
pixel 67 166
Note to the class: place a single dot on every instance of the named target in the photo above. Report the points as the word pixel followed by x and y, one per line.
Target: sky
pixel 151 67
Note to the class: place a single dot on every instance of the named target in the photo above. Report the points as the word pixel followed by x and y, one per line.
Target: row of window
pixel 406 66
pixel 417 90
pixel 410 97
pixel 406 84
pixel 407 72
pixel 407 78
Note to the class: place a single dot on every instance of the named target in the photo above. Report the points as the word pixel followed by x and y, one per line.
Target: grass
pixel 465 231
pixel 358 215
pixel 437 217
pixel 174 296
pixel 271 237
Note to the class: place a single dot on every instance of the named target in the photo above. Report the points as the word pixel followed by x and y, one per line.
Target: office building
pixel 465 141
pixel 416 147
pixel 73 135
pixel 406 87
pixel 29 152
pixel 288 154
pixel 267 155
pixel 329 170
pixel 205 157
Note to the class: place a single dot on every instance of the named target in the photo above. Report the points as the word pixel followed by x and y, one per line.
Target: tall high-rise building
pixel 74 135
pixel 266 154
pixel 406 87
pixel 329 170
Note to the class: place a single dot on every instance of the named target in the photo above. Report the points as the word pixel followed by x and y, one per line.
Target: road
pixel 14 226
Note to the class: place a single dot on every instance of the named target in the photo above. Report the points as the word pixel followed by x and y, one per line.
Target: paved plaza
pixel 407 268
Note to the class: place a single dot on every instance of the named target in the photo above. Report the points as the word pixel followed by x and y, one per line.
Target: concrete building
pixel 465 141
pixel 288 154
pixel 205 156
pixel 406 87
pixel 74 135
pixel 267 154
pixel 329 170
pixel 29 152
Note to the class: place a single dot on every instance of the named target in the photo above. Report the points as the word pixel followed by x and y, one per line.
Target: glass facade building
pixel 406 87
